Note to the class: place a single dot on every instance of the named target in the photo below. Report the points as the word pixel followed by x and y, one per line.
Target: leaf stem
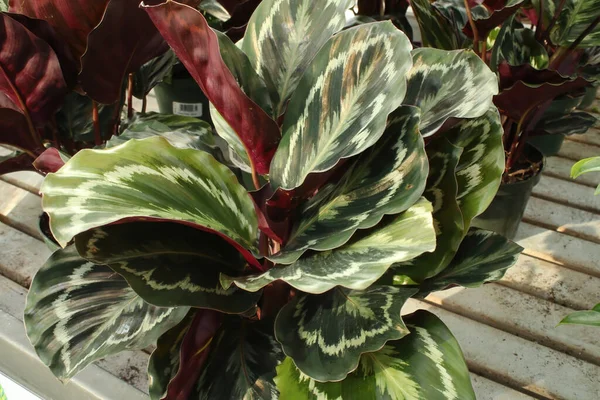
pixel 540 23
pixel 144 104
pixel 96 121
pixel 130 96
pixel 561 5
pixel 517 141
pixel 473 28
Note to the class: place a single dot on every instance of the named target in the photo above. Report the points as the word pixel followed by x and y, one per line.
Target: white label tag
pixel 187 109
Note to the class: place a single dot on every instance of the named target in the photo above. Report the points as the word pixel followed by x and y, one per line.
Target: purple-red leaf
pixel 30 73
pixel 49 161
pixel 43 30
pixel 14 130
pixel 499 13
pixel 73 20
pixel 134 40
pixel 193 353
pixel 197 46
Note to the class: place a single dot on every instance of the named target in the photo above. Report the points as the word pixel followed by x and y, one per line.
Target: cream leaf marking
pixel 66 288
pixel 148 178
pixel 468 93
pixel 386 179
pixel 363 321
pixel 358 264
pixel 342 103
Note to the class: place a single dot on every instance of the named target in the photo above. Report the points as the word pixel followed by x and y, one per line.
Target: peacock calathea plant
pixel 368 162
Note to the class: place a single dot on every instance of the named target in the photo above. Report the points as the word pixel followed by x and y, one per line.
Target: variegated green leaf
pixel 78 312
pixel 170 264
pixel 441 191
pixel 386 179
pixel 575 17
pixel 357 264
pixel 444 85
pixel 241 363
pixel 342 102
pixel 182 132
pixel 591 164
pixel 436 30
pixel 215 9
pixel 591 317
pixel 427 364
pixel 572 123
pixel 483 256
pixel 2 393
pixel 481 165
pixel 518 46
pixel 148 179
pixel 283 37
pixel 326 334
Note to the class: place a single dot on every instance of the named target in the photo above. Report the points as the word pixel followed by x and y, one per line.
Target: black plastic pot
pixel 506 210
pixel 182 96
pixel 549 145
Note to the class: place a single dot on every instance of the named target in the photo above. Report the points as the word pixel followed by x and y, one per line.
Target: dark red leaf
pixel 30 73
pixel 14 130
pixel 193 353
pixel 197 46
pixel 498 14
pixel 134 40
pixel 49 161
pixel 22 162
pixel 524 87
pixel 43 30
pixel 73 20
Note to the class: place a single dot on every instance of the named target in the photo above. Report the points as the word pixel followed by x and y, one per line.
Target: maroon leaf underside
pixel 498 14
pixel 520 97
pixel 134 40
pixel 49 161
pixel 193 353
pixel 43 30
pixel 30 73
pixel 73 20
pixel 197 47
pixel 235 27
pixel 22 162
pixel 14 131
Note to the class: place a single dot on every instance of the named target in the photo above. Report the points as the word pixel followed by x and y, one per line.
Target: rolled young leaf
pixel 326 334
pixel 149 179
pixel 359 263
pixel 591 317
pixel 170 264
pixel 342 102
pixel 427 364
pixel 185 29
pixel 447 85
pixel 386 179
pixel 590 164
pixel 281 44
pixel 78 312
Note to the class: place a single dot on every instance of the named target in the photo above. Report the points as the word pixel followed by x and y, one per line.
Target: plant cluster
pixel 366 162
pixel 543 52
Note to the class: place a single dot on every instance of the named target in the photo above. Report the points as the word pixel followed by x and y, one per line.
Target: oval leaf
pixel 149 179
pixel 386 179
pixel 591 317
pixel 448 84
pixel 169 264
pixel 78 312
pixel 427 364
pixel 326 334
pixel 283 37
pixel 342 102
pixel 359 263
